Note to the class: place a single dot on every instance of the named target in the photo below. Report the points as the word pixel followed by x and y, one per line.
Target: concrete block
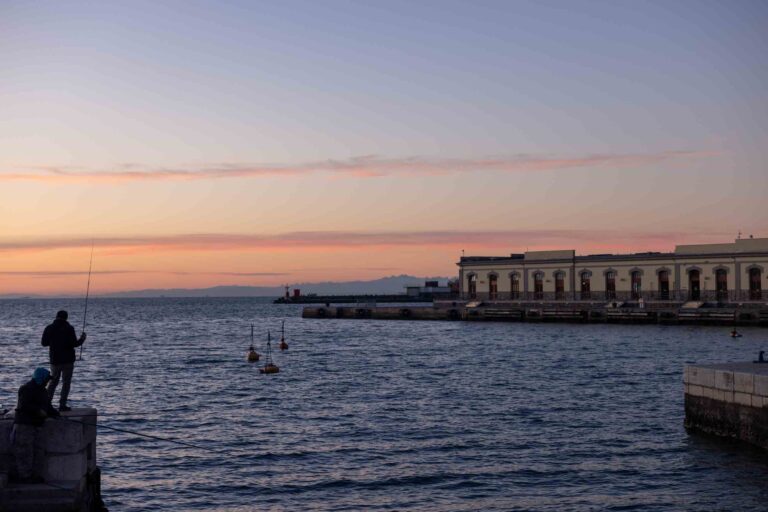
pixel 685 374
pixel 742 398
pixel 760 385
pixel 90 452
pixel 724 380
pixel 709 393
pixel 87 418
pixel 694 390
pixel 723 396
pixel 759 401
pixel 701 376
pixel 63 437
pixel 5 436
pixel 7 463
pixel 743 382
pixel 65 467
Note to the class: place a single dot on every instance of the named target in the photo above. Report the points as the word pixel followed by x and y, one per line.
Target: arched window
pixel 664 285
pixel 610 285
pixel 538 285
pixel 637 284
pixel 559 285
pixel 472 288
pixel 514 281
pixel 585 288
pixel 721 284
pixel 755 288
pixel 493 286
pixel 694 285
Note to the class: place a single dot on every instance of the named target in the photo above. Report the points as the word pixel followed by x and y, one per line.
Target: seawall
pixel 728 400
pixel 617 312
pixel 68 466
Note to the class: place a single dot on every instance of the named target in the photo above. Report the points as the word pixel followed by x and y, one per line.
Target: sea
pixel 389 415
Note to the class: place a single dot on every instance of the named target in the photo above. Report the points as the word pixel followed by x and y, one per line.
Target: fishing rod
pixel 87 292
pixel 158 438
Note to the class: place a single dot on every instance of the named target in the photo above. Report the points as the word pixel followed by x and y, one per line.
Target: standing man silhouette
pixel 61 339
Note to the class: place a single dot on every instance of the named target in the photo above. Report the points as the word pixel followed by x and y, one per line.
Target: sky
pixel 194 144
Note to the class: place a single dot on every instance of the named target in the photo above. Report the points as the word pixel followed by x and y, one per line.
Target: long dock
pixel 728 400
pixel 617 312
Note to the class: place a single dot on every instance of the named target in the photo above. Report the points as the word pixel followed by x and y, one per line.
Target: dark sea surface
pixel 390 415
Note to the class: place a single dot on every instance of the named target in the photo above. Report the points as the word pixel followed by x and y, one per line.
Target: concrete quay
pixel 728 400
pixel 72 477
pixel 692 313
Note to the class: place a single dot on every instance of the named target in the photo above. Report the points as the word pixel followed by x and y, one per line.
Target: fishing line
pixel 183 443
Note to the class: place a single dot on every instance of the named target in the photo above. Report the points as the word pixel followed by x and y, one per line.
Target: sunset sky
pixel 253 143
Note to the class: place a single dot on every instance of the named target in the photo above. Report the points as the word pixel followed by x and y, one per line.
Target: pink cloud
pixel 66 273
pixel 503 240
pixel 367 166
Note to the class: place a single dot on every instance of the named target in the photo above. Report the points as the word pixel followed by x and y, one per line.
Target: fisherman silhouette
pixel 33 408
pixel 61 339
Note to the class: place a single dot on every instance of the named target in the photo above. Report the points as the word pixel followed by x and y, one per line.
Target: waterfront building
pixel 728 272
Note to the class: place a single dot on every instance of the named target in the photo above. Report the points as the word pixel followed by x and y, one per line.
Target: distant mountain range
pixel 385 285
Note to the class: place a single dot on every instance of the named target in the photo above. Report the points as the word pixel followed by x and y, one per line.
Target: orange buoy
pixel 252 355
pixel 269 366
pixel 283 344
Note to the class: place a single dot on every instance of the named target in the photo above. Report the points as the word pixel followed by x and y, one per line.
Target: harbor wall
pixel 585 312
pixel 728 400
pixel 68 466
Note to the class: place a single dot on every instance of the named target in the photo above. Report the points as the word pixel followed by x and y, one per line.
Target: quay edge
pixel 586 312
pixel 728 400
pixel 72 478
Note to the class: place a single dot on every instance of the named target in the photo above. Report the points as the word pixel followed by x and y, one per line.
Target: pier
pixel 728 400
pixel 692 313
pixel 68 466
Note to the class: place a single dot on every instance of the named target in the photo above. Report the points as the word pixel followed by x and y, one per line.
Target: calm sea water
pixel 377 415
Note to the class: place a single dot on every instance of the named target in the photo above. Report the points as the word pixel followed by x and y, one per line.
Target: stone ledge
pixel 744 382
pixel 724 419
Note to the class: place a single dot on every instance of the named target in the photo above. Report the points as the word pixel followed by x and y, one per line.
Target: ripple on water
pixel 389 416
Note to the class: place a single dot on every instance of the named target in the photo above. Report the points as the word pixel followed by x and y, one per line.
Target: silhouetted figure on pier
pixel 761 357
pixel 32 409
pixel 61 339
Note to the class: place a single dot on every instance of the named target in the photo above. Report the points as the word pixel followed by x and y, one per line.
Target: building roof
pixel 739 246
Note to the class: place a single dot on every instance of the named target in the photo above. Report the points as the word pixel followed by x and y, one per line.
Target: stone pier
pixel 728 400
pixel 72 478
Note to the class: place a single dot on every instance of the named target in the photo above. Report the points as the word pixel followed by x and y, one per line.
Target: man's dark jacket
pixel 33 406
pixel 61 338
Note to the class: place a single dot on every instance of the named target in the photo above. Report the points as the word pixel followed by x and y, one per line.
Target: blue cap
pixel 41 375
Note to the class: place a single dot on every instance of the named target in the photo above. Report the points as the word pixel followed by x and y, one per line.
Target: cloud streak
pixel 367 166
pixel 339 240
pixel 68 273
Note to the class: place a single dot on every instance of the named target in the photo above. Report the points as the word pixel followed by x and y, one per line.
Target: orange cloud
pixel 367 166
pixel 63 273
pixel 335 240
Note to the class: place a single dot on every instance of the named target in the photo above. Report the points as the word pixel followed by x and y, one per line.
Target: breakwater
pixel 617 312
